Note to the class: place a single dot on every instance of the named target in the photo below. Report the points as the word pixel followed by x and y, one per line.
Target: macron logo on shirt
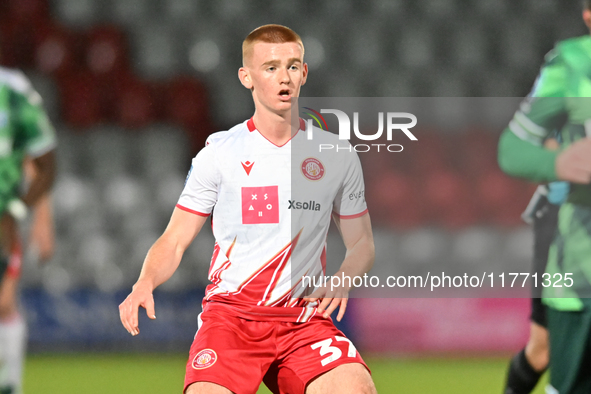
pixel 247 166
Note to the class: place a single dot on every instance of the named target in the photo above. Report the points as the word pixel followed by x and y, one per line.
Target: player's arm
pixel 42 237
pixel 521 152
pixel 195 204
pixel 161 262
pixel 522 159
pixel 44 170
pixel 35 129
pixel 358 239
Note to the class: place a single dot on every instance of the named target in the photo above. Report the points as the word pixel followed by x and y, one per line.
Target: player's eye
pixel 271 69
pixel 294 67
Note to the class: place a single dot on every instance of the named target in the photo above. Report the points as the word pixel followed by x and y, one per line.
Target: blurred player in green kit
pixel 26 136
pixel 560 102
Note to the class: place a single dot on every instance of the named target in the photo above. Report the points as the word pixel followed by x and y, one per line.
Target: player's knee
pixel 367 388
pixel 538 356
pixel 206 388
pixel 541 359
pixel 348 378
pixel 5 308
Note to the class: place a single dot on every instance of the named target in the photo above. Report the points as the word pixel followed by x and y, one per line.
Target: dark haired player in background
pixel 25 132
pixel 531 362
pixel 560 100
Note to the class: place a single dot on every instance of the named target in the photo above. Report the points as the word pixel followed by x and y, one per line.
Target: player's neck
pixel 275 127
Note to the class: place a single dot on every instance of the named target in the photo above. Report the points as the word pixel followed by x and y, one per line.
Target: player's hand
pixel 128 309
pixel 330 298
pixel 574 163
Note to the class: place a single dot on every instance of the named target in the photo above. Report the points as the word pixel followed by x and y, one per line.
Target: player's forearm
pixel 360 258
pixel 45 169
pixel 523 159
pixel 161 262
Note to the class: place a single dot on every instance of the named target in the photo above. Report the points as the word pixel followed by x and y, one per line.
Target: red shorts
pixel 239 354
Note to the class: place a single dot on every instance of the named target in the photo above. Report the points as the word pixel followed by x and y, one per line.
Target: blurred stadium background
pixel 135 86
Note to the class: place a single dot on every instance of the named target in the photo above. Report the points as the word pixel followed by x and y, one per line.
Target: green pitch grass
pixel 162 374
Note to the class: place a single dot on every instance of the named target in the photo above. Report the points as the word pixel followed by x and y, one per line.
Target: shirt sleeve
pixel 522 159
pixel 544 110
pixel 349 202
pixel 521 152
pixel 201 187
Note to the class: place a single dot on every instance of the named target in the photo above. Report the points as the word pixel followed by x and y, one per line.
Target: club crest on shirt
pixel 312 169
pixel 204 359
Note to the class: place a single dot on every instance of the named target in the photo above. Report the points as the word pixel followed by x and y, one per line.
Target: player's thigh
pixel 351 378
pixel 8 233
pixel 8 295
pixel 231 352
pixel 206 388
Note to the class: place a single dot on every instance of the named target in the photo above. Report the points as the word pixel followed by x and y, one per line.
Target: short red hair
pixel 273 34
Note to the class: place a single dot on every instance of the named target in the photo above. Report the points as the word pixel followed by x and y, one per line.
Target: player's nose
pixel 284 76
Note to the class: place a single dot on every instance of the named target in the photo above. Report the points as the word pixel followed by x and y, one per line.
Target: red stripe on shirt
pixel 357 215
pixel 179 206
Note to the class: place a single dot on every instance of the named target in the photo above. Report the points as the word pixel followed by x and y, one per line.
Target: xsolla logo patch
pixel 204 359
pixel 308 205
pixel 312 169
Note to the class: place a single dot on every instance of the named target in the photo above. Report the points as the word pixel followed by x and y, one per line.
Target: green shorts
pixel 570 350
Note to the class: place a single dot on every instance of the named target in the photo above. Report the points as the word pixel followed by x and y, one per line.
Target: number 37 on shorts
pixel 333 349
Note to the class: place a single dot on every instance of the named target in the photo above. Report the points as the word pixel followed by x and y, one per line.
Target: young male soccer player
pixel 25 130
pixel 257 323
pixel 560 100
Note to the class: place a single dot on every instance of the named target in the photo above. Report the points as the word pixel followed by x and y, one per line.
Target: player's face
pixel 587 18
pixel 275 74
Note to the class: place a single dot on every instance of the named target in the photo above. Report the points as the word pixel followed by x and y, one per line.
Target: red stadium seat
pixel 187 104
pixel 477 150
pixel 429 154
pixel 394 200
pixel 16 43
pixel 81 105
pixel 106 50
pixel 502 199
pixel 449 199
pixel 57 50
pixel 134 108
pixel 31 11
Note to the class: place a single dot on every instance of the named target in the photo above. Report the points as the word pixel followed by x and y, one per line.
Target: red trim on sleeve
pixel 357 215
pixel 179 206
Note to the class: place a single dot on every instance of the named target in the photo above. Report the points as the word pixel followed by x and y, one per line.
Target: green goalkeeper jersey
pixel 560 101
pixel 24 130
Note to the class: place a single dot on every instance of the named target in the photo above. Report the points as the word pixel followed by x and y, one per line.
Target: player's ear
pixel 244 77
pixel 304 73
pixel 587 18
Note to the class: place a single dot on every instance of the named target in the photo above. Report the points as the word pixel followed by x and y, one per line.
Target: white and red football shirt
pixel 272 208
